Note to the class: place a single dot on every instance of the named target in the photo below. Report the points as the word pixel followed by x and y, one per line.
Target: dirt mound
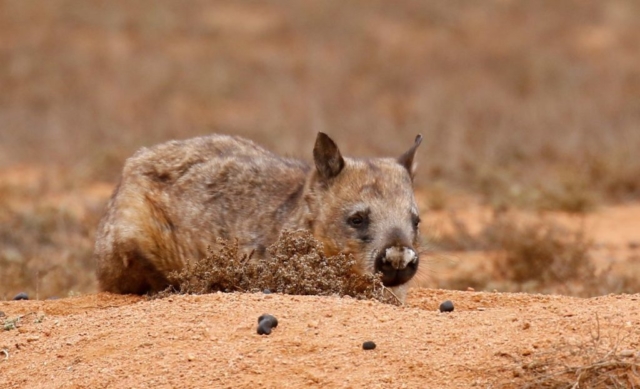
pixel 490 340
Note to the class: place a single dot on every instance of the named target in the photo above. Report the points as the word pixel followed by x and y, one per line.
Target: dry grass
pixel 512 97
pixel 295 264
pixel 533 255
pixel 540 251
pixel 597 363
pixel 46 245
pixel 528 104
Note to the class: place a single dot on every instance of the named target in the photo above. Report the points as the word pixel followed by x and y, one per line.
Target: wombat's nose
pixel 397 265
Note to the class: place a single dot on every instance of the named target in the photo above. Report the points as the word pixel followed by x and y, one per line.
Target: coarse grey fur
pixel 176 198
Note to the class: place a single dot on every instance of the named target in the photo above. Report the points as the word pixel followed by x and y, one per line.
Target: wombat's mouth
pixel 392 274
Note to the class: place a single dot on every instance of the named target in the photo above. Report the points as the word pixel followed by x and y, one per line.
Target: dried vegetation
pixel 534 255
pixel 597 363
pixel 45 244
pixel 527 104
pixel 295 264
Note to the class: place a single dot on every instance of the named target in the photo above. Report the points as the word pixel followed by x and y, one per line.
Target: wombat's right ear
pixel 406 159
pixel 329 161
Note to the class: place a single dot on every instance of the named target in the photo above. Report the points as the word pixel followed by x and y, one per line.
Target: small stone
pixel 627 353
pixel 446 306
pixel 266 291
pixel 470 289
pixel 368 345
pixel 191 357
pixel 21 296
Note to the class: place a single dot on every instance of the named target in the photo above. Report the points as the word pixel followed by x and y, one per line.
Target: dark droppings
pixel 21 296
pixel 266 323
pixel 446 306
pixel 368 345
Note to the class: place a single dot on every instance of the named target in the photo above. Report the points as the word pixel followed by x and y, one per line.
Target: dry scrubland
pixel 527 108
pixel 528 181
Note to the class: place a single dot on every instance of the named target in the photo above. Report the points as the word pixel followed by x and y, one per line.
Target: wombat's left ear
pixel 406 159
pixel 329 161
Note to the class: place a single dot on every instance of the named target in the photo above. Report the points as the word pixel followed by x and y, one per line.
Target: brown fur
pixel 174 199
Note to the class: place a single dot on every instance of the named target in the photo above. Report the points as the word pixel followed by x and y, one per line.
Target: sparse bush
pixel 45 250
pixel 458 239
pixel 539 255
pixel 500 118
pixel 540 251
pixel 437 197
pixel 571 197
pixel 295 264
pixel 524 111
pixel 596 363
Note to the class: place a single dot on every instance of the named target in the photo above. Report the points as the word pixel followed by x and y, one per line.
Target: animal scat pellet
pixel 446 306
pixel 266 323
pixel 368 345
pixel 21 296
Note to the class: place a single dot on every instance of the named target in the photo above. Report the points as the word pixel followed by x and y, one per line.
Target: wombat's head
pixel 366 207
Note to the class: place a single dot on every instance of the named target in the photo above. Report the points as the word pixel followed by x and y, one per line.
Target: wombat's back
pixel 176 198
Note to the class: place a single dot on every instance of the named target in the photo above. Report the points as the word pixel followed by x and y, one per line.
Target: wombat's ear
pixel 406 159
pixel 329 161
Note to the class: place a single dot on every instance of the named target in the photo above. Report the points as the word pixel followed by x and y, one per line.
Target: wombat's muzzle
pixel 397 265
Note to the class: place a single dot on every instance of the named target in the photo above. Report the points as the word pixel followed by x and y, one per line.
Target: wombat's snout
pixel 397 265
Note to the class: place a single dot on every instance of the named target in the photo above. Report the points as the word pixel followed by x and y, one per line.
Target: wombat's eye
pixel 357 221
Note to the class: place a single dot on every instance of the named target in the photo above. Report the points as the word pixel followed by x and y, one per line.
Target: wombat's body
pixel 176 198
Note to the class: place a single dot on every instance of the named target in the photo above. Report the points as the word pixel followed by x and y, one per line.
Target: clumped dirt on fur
pixel 295 264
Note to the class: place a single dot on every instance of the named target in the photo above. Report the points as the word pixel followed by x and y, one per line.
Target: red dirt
pixel 210 340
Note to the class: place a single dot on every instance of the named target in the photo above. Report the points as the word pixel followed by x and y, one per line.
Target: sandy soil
pixel 613 230
pixel 490 340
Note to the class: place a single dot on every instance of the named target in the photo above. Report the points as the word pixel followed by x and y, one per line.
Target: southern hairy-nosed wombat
pixel 174 199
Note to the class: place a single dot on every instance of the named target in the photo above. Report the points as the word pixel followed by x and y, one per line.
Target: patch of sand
pixel 210 340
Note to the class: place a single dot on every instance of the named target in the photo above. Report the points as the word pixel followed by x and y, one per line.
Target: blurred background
pixel 528 109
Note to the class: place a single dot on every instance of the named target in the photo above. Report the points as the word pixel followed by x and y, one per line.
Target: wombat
pixel 176 198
